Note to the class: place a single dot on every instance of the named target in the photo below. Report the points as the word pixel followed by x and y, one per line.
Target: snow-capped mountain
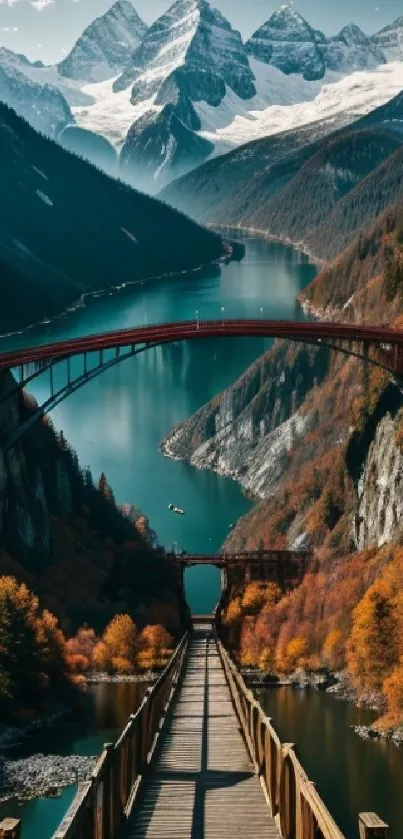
pixel 190 55
pixel 288 42
pixel 390 40
pixel 106 45
pixel 42 105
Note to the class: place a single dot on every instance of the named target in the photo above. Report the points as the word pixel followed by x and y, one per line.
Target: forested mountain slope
pixel 66 228
pixel 286 185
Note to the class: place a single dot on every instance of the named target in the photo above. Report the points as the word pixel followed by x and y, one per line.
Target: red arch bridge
pixel 378 345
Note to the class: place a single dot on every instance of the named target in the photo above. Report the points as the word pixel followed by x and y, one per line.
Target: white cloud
pixel 8 2
pixel 40 5
pixel 9 29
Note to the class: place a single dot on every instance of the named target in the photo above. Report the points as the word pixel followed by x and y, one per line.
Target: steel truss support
pixel 71 387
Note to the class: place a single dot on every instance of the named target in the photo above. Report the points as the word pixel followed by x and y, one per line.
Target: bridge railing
pixel 103 803
pixel 291 796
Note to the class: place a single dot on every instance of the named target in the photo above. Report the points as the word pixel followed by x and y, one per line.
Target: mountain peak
pixel 390 40
pixel 287 21
pixel 352 35
pixel 288 42
pixel 191 52
pixel 106 45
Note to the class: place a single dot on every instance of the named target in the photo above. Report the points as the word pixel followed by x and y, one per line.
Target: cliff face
pixel 68 542
pixel 248 431
pixel 380 488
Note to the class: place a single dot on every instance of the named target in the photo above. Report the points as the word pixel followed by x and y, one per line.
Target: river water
pixel 116 423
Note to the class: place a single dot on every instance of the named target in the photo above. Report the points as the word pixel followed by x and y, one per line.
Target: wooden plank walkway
pixel 202 784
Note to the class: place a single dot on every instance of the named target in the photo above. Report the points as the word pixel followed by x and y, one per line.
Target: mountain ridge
pixel 105 45
pixel 100 233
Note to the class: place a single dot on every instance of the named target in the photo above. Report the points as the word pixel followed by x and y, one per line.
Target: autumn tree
pixel 295 654
pixel 334 649
pixel 372 652
pixel 33 665
pixel 80 648
pixel 155 645
pixel 393 693
pixel 116 651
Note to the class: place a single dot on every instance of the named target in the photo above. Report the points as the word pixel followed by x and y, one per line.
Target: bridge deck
pixel 202 785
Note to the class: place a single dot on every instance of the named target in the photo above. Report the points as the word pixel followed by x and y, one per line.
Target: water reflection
pixel 352 775
pixel 106 713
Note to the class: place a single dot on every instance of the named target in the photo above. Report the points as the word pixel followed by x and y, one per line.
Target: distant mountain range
pixel 67 229
pixel 171 95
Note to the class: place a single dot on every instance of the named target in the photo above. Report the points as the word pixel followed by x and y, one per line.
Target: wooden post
pixel 372 827
pixel 10 828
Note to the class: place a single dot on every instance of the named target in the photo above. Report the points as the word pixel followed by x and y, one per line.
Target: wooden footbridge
pixel 200 760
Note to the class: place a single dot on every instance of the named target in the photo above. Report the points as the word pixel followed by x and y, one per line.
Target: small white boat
pixel 177 510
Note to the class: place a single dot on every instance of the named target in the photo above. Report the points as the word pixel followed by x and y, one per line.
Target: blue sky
pixel 47 29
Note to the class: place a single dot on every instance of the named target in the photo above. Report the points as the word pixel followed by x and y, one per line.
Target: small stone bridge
pixel 200 760
pixel 284 567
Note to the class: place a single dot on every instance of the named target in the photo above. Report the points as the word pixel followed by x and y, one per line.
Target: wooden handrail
pixel 292 798
pixel 103 803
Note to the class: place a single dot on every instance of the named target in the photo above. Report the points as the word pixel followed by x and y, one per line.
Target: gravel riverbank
pixel 42 775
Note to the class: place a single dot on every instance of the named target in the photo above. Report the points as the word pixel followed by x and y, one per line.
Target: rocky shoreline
pixel 107 678
pixel 336 684
pixel 42 775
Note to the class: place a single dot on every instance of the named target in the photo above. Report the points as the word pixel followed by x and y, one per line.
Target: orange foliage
pixel 155 647
pixel 295 654
pixel 80 648
pixel 116 651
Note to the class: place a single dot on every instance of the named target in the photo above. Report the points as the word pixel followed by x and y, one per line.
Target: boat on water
pixel 178 510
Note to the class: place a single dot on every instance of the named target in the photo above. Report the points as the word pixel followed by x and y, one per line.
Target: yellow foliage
pixel 248 659
pixel 333 649
pixel 295 653
pixel 233 613
pixel 372 651
pixel 266 660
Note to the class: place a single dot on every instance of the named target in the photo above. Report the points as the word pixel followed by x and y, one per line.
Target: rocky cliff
pixel 380 488
pixel 249 431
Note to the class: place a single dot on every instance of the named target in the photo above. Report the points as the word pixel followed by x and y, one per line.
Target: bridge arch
pixel 376 345
pixel 203 588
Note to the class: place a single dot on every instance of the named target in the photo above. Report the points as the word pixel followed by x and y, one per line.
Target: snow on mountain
pixel 338 103
pixel 40 74
pixel 390 40
pixel 288 42
pixel 106 45
pixel 112 115
pixel 42 105
pixel 190 54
